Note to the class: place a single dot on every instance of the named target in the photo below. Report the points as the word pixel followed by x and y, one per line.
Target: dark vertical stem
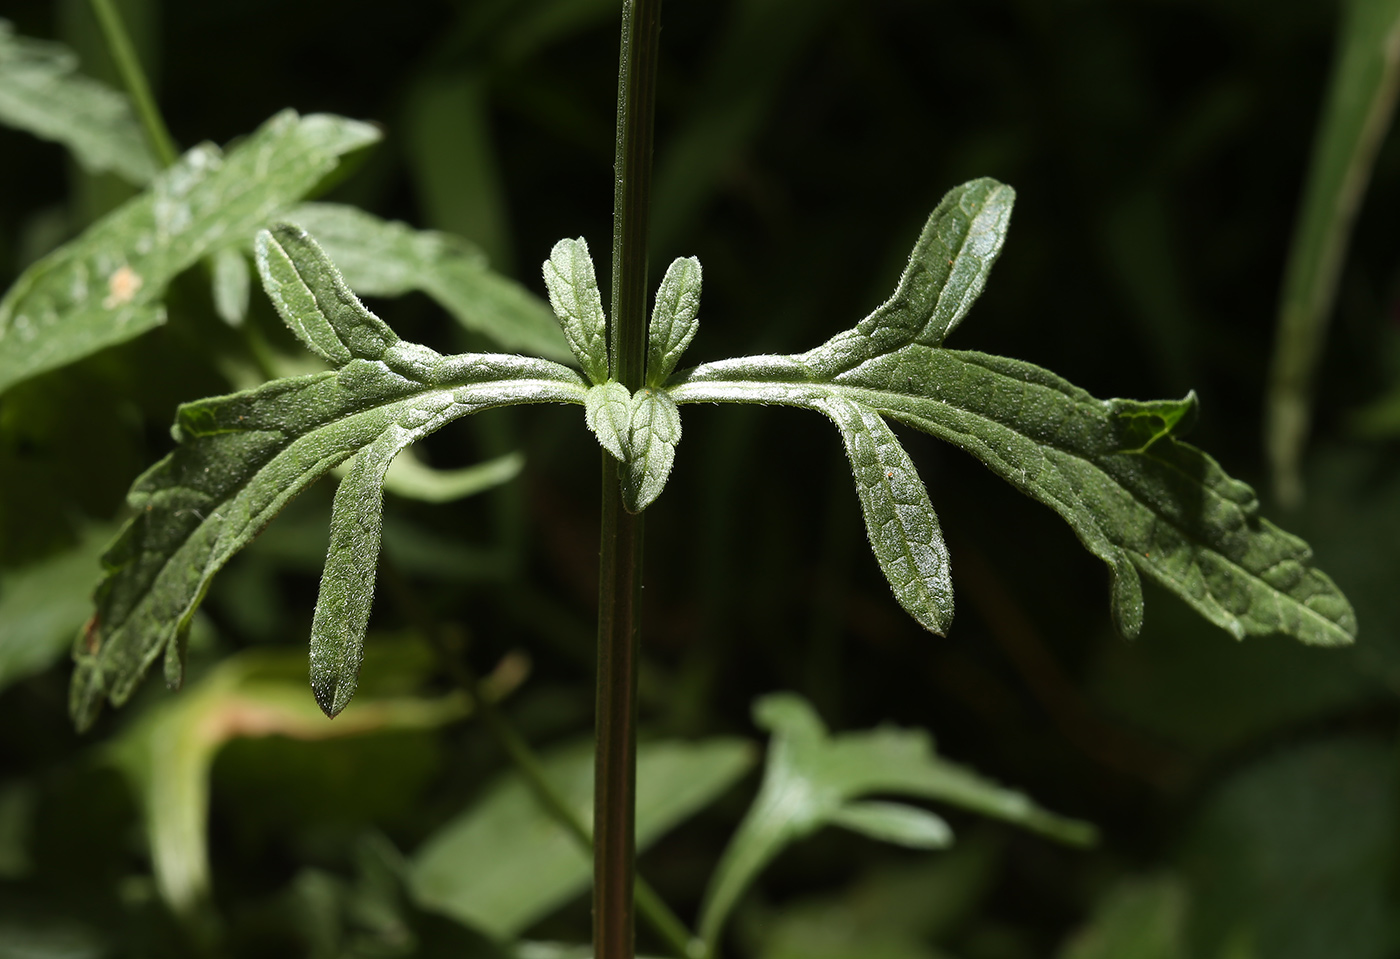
pixel 124 54
pixel 620 551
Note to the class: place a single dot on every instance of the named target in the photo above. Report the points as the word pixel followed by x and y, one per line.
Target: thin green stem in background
pixel 620 549
pixel 119 44
pixel 653 908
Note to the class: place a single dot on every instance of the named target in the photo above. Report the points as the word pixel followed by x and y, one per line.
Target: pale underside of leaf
pixel 107 286
pixel 902 526
pixel 42 92
pixel 1167 510
pixel 573 293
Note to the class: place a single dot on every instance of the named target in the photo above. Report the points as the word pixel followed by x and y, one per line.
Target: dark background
pixel 1158 150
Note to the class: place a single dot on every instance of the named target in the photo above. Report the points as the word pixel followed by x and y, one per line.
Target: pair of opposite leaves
pixel 1136 496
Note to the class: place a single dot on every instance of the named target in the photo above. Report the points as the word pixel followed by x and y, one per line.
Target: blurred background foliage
pixel 1246 793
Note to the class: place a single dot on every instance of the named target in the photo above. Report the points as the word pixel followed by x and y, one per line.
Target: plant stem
pixel 124 54
pixel 653 908
pixel 620 548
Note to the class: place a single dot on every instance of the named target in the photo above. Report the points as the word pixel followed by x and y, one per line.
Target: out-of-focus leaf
pixel 18 799
pixel 167 753
pixel 411 478
pixel 813 780
pixel 43 606
pixel 505 862
pixel 381 258
pixel 42 92
pixel 242 457
pixel 107 285
pixel 232 285
pixel 452 155
pixel 1294 856
pixel 552 950
pixel 30 938
pixel 1360 103
pixel 1138 919
pixel 1136 496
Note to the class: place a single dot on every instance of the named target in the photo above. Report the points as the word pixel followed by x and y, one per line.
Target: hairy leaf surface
pixel 1137 496
pixel 813 780
pixel 382 258
pixel 42 92
pixel 673 318
pixel 107 286
pixel 653 430
pixel 242 457
pixel 573 293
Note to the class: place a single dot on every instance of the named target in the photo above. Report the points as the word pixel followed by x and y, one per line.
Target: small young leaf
pixel 608 412
pixel 42 92
pixel 573 293
pixel 900 521
pixel 673 318
pixel 242 457
pixel 106 286
pixel 654 429
pixel 381 258
pixel 812 780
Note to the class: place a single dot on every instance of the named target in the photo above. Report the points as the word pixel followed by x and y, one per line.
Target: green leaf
pixel 411 478
pixel 812 780
pixel 673 318
pixel 382 258
pixel 242 457
pixel 895 823
pixel 899 518
pixel 505 862
pixel 232 286
pixel 43 606
pixel 654 429
pixel 1360 104
pixel 106 286
pixel 1137 496
pixel 608 412
pixel 42 92
pixel 573 293
pixel 168 751
pixel 1141 918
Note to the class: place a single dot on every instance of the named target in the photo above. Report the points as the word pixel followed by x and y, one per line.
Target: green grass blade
pixel 107 286
pixel 42 92
pixel 1360 104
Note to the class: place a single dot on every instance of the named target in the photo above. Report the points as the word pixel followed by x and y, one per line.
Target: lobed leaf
pixel 381 258
pixel 41 91
pixel 242 457
pixel 653 430
pixel 1136 496
pixel 107 285
pixel 673 318
pixel 813 780
pixel 573 293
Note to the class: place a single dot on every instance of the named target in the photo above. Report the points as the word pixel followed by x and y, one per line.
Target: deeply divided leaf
pixel 107 286
pixel 242 457
pixel 42 92
pixel 1137 496
pixel 573 293
pixel 813 780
